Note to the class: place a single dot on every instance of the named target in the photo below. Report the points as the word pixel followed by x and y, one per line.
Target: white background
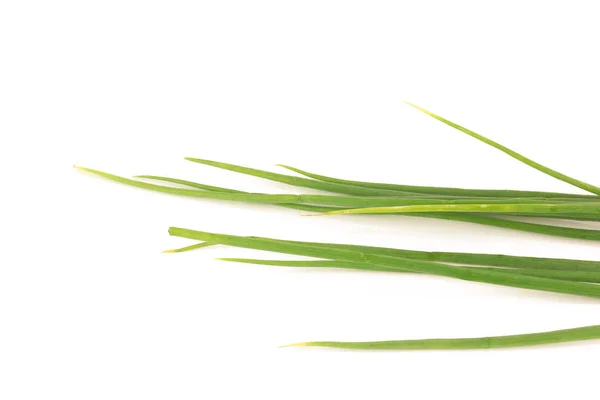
pixel 91 309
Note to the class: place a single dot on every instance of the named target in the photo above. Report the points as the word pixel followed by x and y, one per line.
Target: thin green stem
pixel 493 342
pixel 229 194
pixel 339 201
pixel 189 248
pixel 301 182
pixel 433 190
pixel 491 260
pixel 576 276
pixel 477 275
pixel 588 208
pixel 553 173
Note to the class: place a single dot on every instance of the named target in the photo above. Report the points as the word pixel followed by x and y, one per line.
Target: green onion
pixel 574 277
pixel 530 339
pixel 427 267
pixel 189 248
pixel 433 190
pixel 588 208
pixel 492 260
pixel 555 174
pixel 577 276
pixel 378 189
pixel 288 200
pixel 545 197
pixel 302 182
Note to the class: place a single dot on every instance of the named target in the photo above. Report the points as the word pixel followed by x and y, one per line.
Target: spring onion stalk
pixel 589 208
pixel 573 277
pixel 491 260
pixel 575 233
pixel 493 342
pixel 581 217
pixel 555 174
pixel 304 207
pixel 427 267
pixel 394 190
pixel 189 248
pixel 288 202
pixel 446 191
pixel 303 182
pixel 577 276
pixel 432 199
pixel 573 217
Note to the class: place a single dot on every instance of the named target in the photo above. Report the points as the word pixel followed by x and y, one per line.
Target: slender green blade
pixel 493 342
pixel 476 275
pixel 246 197
pixel 196 185
pixel 575 233
pixel 314 264
pixel 291 201
pixel 446 191
pixel 303 207
pixel 489 207
pixel 338 201
pixel 553 173
pixel 481 259
pixel 190 248
pixel 298 181
pixel 572 217
pixel 576 276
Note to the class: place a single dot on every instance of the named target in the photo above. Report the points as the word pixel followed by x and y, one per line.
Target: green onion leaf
pixel 446 191
pixel 189 248
pixel 560 176
pixel 298 181
pixel 228 194
pixel 489 207
pixel 493 342
pixel 427 267
pixel 577 276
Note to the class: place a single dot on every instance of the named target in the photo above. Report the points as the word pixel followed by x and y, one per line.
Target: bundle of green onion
pixel 486 207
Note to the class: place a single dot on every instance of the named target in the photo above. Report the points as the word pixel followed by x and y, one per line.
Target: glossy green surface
pixel 587 208
pixel 427 267
pixel 492 342
pixel 490 260
pixel 447 191
pixel 218 193
pixel 576 276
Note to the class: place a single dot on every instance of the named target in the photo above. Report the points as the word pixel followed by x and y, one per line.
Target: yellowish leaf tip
pixel 416 106
pixel 302 344
pixel 85 169
pixel 170 251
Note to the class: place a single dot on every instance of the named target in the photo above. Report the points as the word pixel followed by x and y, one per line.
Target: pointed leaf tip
pixel 420 109
pixel 301 344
